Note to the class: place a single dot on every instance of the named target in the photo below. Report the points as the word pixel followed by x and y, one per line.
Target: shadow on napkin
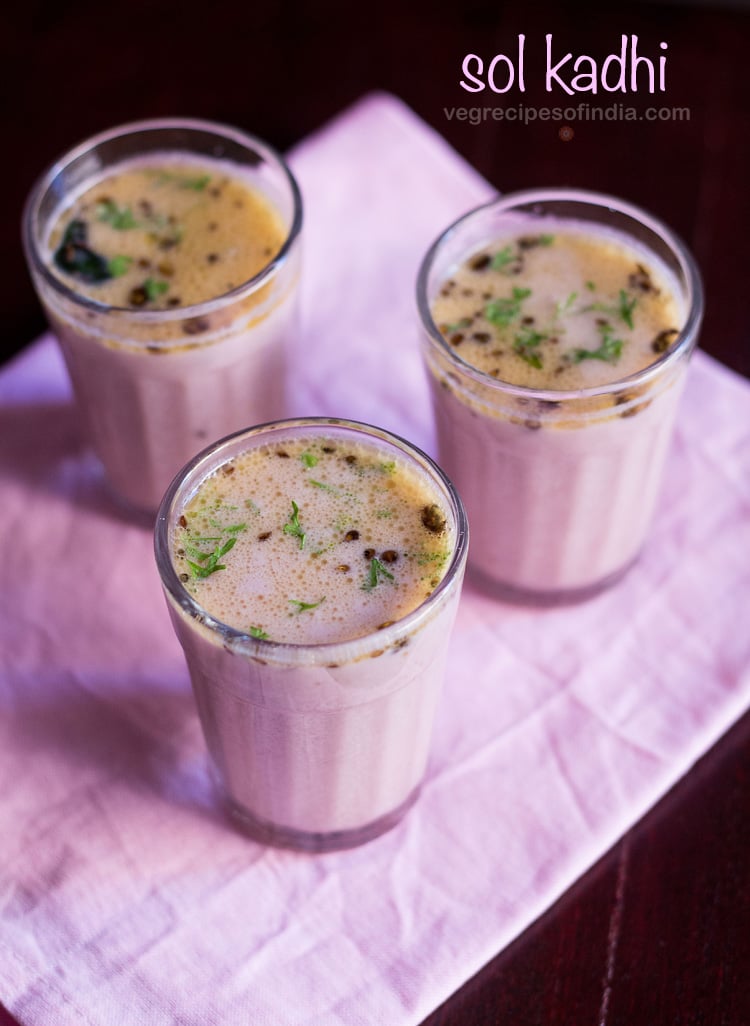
pixel 139 735
pixel 44 451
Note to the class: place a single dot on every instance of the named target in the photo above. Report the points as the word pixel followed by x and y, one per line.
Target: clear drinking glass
pixel 559 486
pixel 156 386
pixel 316 746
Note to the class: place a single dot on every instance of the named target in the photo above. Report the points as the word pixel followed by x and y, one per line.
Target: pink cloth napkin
pixel 124 895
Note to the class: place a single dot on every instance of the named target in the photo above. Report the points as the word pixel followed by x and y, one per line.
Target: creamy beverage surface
pixel 313 540
pixel 572 308
pixel 164 234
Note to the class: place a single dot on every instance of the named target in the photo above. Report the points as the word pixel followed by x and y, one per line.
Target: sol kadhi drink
pixel 557 329
pixel 166 256
pixel 312 571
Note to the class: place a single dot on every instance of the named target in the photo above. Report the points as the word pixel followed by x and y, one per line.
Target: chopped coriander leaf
pixel 525 345
pixel 564 305
pixel 294 527
pixel 196 553
pixel 235 528
pixel 304 606
pixel 502 311
pixel 257 632
pixel 532 241
pixel 623 309
pixel 198 183
pixel 591 286
pixel 119 265
pixel 451 329
pixel 228 544
pixel 627 305
pixel 377 570
pixel 322 484
pixel 308 459
pixel 161 177
pixel 609 351
pixel 209 560
pixel 121 218
pixel 154 288
pixel 502 258
pixel 204 571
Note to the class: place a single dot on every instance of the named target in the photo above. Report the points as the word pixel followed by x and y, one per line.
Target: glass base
pixel 546 598
pixel 315 841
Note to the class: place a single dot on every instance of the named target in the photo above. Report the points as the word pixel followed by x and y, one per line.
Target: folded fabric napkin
pixel 124 895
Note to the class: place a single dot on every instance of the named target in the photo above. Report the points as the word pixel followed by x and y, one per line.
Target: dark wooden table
pixel 659 931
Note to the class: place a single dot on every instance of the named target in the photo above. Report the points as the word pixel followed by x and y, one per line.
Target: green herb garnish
pixel 121 218
pixel 627 305
pixel 210 560
pixel 525 346
pixel 591 286
pixel 154 288
pixel 198 183
pixel 304 606
pixel 257 632
pixel 119 265
pixel 502 311
pixel 377 570
pixel 609 351
pixel 198 554
pixel 502 258
pixel 451 329
pixel 623 309
pixel 308 459
pixel 294 527
pixel 203 564
pixel 564 305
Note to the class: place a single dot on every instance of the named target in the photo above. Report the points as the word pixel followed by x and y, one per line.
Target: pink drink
pixel 166 256
pixel 315 619
pixel 555 386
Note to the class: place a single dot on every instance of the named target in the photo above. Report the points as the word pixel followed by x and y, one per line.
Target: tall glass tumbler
pixel 314 746
pixel 157 385
pixel 560 486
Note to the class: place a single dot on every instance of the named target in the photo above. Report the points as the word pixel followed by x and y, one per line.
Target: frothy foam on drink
pixel 313 540
pixel 164 233
pixel 573 308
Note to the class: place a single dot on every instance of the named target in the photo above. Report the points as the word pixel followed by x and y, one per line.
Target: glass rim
pixel 44 182
pixel 693 286
pixel 286 653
